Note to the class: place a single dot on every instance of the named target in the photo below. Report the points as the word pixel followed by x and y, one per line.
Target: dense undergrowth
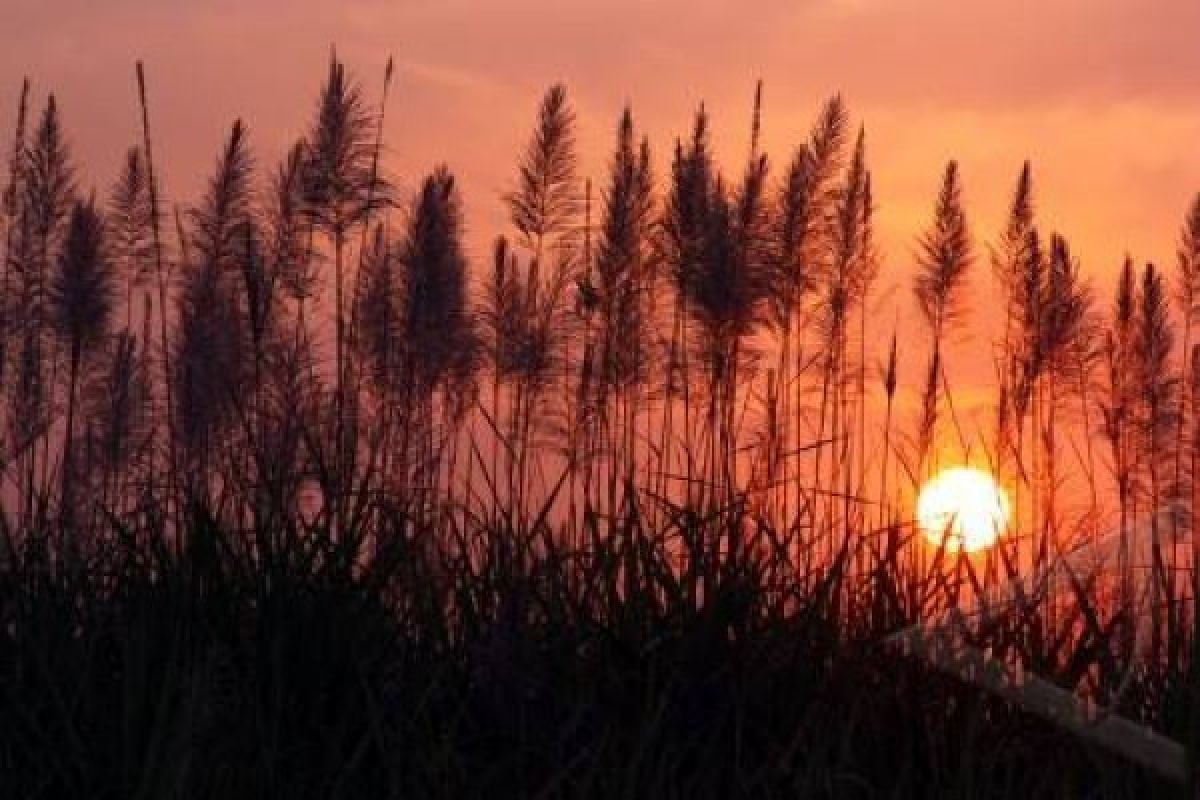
pixel 276 661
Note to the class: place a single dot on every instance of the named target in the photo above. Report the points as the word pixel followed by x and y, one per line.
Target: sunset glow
pixel 964 507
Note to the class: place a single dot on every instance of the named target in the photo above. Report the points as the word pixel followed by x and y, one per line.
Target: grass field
pixel 300 503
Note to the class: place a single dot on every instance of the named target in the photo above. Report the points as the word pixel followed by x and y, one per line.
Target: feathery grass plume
pixel 1026 347
pixel 223 237
pixel 544 206
pixel 210 328
pixel 725 293
pixel 342 189
pixel 806 202
pixel 207 362
pixel 49 180
pixel 1066 327
pixel 82 295
pixel 1066 307
pixel 82 290
pixel 1008 259
pixel 255 289
pixel 49 185
pixel 379 349
pixel 11 208
pixel 622 264
pixel 286 224
pixel 217 225
pixel 439 336
pixel 526 332
pixel 842 286
pixel 500 319
pixel 622 293
pixel 257 294
pixel 49 196
pixel 380 316
pixel 1024 365
pixel 943 263
pixel 752 251
pixel 545 329
pixel 944 259
pixel 10 200
pixel 802 225
pixel 1008 255
pixel 1187 298
pixel 438 344
pixel 716 248
pixel 1118 412
pixel 365 225
pixel 49 189
pixel 1187 281
pixel 293 261
pixel 1154 339
pixel 685 218
pixel 502 310
pixel 128 223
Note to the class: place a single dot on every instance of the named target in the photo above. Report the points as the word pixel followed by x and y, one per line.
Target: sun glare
pixel 963 506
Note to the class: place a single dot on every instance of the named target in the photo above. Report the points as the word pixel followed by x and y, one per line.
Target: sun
pixel 964 507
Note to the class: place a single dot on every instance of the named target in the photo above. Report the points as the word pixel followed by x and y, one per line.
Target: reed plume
pixel 1153 343
pixel 342 190
pixel 943 262
pixel 1187 299
pixel 543 208
pixel 291 257
pixel 82 295
pixel 1118 410
pixel 545 204
pixel 129 226
pixel 49 190
pixel 842 287
pixel 622 294
pixel 803 225
pixel 1008 258
pixel 439 348
pixel 210 337
pixel 11 209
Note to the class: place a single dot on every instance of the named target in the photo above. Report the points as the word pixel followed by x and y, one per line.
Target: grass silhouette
pixel 298 502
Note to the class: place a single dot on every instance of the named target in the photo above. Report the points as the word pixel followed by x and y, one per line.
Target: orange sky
pixel 1103 95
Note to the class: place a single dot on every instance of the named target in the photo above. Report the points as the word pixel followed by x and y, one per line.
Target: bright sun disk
pixel 963 506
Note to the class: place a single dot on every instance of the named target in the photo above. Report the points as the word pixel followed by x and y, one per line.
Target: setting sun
pixel 964 507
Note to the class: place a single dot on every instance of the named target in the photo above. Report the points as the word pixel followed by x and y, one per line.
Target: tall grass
pixel 619 512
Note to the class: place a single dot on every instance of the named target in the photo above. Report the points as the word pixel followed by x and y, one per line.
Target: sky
pixel 1102 95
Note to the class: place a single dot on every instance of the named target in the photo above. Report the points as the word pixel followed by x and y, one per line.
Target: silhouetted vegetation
pixel 299 501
